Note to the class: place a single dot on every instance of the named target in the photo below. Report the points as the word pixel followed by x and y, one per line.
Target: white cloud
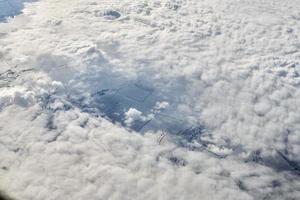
pixel 133 115
pixel 230 67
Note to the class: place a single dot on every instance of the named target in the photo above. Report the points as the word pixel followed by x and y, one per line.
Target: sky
pixel 150 99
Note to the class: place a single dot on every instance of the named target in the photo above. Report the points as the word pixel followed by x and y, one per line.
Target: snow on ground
pixel 169 99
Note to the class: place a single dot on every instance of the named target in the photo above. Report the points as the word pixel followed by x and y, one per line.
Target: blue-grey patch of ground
pixel 10 8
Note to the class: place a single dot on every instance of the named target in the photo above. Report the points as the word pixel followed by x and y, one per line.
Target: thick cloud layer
pixel 150 100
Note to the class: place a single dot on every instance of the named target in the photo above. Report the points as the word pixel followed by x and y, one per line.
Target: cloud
pixel 132 115
pixel 209 90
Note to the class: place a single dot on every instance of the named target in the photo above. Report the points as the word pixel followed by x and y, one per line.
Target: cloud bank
pixel 150 99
